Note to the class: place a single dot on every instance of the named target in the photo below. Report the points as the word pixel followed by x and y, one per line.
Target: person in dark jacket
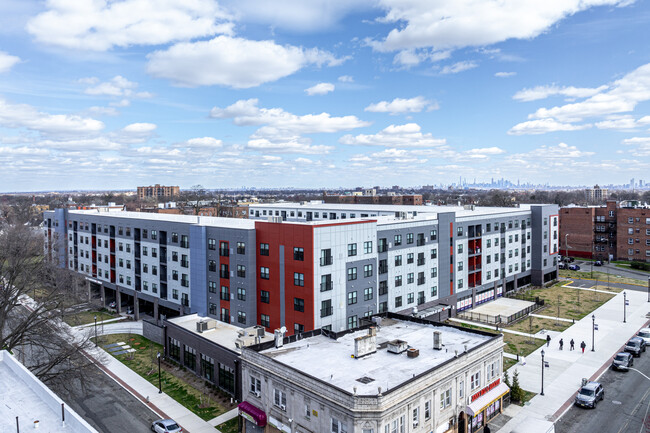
pixel 548 340
pixel 572 344
pixel 582 346
pixel 561 344
pixel 486 429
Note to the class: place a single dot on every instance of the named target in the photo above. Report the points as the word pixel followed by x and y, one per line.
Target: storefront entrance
pixel 486 404
pixel 462 427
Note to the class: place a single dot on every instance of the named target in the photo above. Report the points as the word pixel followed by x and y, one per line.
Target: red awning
pixel 254 413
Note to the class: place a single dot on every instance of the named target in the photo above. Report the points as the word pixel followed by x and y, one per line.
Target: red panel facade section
pixel 290 236
pixel 224 260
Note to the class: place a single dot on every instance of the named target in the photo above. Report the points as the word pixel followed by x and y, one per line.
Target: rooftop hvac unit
pixel 201 326
pixel 437 340
pixel 260 331
pixel 397 346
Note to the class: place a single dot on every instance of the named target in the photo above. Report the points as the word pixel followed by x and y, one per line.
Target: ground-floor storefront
pixel 484 405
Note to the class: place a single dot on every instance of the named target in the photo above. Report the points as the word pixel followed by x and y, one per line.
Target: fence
pixel 499 319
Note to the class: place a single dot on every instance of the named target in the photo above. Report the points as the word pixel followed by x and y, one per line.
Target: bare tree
pixel 35 297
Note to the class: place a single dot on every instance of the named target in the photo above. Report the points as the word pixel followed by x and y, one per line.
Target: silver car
pixel 645 334
pixel 165 426
pixel 623 361
pixel 590 394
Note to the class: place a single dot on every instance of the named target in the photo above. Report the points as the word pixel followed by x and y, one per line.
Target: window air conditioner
pixel 257 394
pixel 452 421
pixel 283 407
pixel 415 424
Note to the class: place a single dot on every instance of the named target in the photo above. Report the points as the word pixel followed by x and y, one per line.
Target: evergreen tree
pixel 516 393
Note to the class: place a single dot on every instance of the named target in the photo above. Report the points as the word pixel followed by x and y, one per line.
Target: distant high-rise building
pixel 632 183
pixel 158 191
pixel 596 194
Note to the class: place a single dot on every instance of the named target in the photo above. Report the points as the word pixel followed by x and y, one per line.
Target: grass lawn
pixel 518 344
pixel 570 308
pixel 527 396
pixel 508 362
pixel 229 426
pixel 86 317
pixel 626 266
pixel 143 362
pixel 539 324
pixel 600 276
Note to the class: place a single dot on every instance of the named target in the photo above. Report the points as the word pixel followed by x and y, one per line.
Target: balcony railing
pixel 326 260
pixel 224 252
pixel 328 311
pixel 324 287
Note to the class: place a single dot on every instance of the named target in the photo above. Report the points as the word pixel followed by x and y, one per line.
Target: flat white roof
pixel 22 395
pixel 224 334
pixel 240 223
pixel 331 360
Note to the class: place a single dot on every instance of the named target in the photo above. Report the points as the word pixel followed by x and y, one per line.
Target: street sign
pixel 627 302
pixel 596 326
pixel 546 364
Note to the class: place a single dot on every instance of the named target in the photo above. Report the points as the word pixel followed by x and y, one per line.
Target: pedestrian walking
pixel 572 344
pixel 582 346
pixel 486 429
pixel 561 344
pixel 548 340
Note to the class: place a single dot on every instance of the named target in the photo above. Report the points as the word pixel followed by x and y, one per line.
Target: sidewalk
pixel 567 368
pixel 161 404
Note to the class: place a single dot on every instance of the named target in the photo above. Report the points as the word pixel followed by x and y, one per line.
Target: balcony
pixel 475 268
pixel 324 287
pixel 326 260
pixel 421 262
pixel 420 242
pixel 421 281
pixel 420 300
pixel 327 311
pixel 473 251
pixel 383 269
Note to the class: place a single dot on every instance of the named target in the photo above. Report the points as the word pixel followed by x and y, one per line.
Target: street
pixel 625 407
pixel 106 405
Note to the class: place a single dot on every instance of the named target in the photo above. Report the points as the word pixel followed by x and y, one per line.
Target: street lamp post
pixel 648 289
pixel 566 245
pixel 95 330
pixel 542 393
pixel 593 329
pixel 159 377
pixel 624 307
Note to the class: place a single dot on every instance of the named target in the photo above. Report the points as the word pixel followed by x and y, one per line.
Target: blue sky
pixel 98 94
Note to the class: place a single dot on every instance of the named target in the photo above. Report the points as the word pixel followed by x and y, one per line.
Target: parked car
pixel 165 426
pixel 574 267
pixel 598 263
pixel 112 304
pixel 635 346
pixel 561 265
pixel 645 334
pixel 590 394
pixel 129 310
pixel 623 361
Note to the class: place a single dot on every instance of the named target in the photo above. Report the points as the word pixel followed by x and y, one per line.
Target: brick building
pixel 158 191
pixel 410 199
pixel 616 231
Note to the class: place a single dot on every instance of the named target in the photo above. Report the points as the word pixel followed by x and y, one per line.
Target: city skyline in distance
pixel 327 94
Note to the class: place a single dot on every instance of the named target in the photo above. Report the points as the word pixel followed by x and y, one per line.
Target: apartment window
pixel 144 232
pixel 298 254
pixel 212 266
pixel 410 298
pixel 145 268
pixel 185 243
pixel 433 235
pixel 185 282
pixel 212 286
pixel 398 260
pixel 326 308
pixel 241 248
pixel 382 245
pixel 352 298
pixel 175 275
pixel 410 277
pixel 223 249
pixel 256 386
pixel 175 293
pixel 409 258
pixel 445 398
pixel 265 320
pixel 154 235
pixel 475 381
pixel 398 280
pixel 145 251
pixel 489 275
pixel 299 304
pixel 460 266
pixel 352 274
pixel 352 322
pixel 264 273
pixel 460 248
pixel 398 240
pixel 427 410
pixel 264 249
pixel 416 416
pixel 241 271
pixel 212 244
pixel 121 263
pixel 420 259
pixel 121 279
pixel 224 271
pixel 174 256
pixel 265 296
pixel 338 426
pixel 185 261
pixel 367 271
pixel 298 279
pixel 154 287
pixel 367 247
pixel 241 293
pixel 409 238
pixel 367 294
pixel 174 236
pixel 325 282
pixel 383 306
pixel 326 257
pixel 398 301
pixel 460 283
pixel 174 349
pixel 352 250
pixel 434 291
pixel 120 246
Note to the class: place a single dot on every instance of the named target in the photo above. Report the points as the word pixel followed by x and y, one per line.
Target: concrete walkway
pixel 561 319
pixel 232 413
pixel 508 331
pixel 567 368
pixel 103 322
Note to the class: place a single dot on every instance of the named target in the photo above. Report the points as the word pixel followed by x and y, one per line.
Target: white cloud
pixel 486 151
pixel 291 146
pixel 452 24
pixel 346 79
pixel 408 135
pixel 204 142
pixel 320 89
pixel 117 86
pixel 401 105
pixel 458 67
pixel 103 111
pixel 7 61
pixel 624 122
pixel 26 116
pixel 233 62
pixel 304 161
pixel 542 92
pixel 100 25
pixel 140 128
pixel 561 151
pixel 505 74
pixel 407 58
pixel 542 126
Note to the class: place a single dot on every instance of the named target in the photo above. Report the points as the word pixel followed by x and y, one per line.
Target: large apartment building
pixel 158 191
pixel 308 266
pixel 616 231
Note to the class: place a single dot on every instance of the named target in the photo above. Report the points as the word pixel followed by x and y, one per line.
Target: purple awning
pixel 254 413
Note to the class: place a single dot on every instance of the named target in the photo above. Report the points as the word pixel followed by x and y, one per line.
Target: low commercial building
pixel 211 348
pixel 400 374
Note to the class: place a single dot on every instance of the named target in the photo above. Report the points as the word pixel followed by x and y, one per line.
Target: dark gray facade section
pixel 198 271
pixel 542 262
pixel 359 285
pixel 446 240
